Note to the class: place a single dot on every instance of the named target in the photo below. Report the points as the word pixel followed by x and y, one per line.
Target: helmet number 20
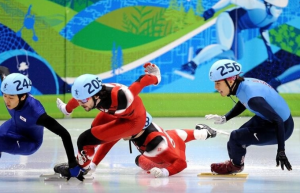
pixel 94 84
pixel 229 67
pixel 20 86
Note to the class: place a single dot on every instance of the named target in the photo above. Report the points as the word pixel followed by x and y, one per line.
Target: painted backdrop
pixel 54 41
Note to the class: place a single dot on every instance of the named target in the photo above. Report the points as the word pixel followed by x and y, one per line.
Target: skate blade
pixel 185 75
pixel 58 177
pixel 213 175
pixel 222 132
pixel 52 177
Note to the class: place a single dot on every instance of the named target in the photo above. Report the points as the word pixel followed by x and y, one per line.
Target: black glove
pixel 208 14
pixel 281 157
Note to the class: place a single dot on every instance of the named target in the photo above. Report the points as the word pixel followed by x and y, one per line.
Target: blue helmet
pixel 16 83
pixel 85 86
pixel 223 69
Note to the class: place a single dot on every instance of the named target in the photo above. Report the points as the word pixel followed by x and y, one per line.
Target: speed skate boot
pixel 62 169
pixel 84 158
pixel 211 133
pixel 226 167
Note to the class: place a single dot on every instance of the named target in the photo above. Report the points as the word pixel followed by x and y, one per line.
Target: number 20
pixel 94 84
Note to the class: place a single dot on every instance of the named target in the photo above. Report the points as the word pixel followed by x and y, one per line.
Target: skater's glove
pixel 77 172
pixel 217 118
pixel 153 70
pixel 281 157
pixel 62 107
pixel 159 173
pixel 208 14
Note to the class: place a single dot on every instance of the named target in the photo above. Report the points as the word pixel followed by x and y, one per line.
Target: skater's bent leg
pixel 20 146
pixel 86 144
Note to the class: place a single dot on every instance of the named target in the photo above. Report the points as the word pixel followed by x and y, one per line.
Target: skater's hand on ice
pixel 281 157
pixel 208 14
pixel 217 118
pixel 158 173
pixel 77 172
pixel 153 70
pixel 62 106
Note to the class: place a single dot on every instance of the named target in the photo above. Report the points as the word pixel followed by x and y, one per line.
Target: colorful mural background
pixel 54 41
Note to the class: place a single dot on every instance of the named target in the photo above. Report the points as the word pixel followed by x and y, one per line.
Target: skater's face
pixel 12 101
pixel 87 104
pixel 222 87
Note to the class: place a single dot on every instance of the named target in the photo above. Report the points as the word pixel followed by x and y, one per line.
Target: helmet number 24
pixel 94 84
pixel 20 86
pixel 229 67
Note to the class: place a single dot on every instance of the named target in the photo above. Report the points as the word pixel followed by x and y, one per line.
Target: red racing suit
pixel 159 148
pixel 122 114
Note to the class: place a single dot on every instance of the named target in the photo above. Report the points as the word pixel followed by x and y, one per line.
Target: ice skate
pixel 211 133
pixel 224 170
pixel 226 167
pixel 61 172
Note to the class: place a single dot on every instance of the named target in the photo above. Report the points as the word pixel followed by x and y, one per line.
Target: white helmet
pixel 16 83
pixel 85 86
pixel 278 3
pixel 223 69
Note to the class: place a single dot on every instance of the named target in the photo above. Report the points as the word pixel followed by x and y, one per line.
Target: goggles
pixel 83 100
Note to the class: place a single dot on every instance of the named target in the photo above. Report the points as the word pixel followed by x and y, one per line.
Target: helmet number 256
pixel 229 67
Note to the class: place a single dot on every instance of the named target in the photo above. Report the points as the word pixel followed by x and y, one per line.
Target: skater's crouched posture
pixel 22 134
pixel 272 123
pixel 122 112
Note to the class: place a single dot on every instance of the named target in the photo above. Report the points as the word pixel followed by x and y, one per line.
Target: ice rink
pixel 118 172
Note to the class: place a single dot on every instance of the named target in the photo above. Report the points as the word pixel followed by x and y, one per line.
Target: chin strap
pixel 230 87
pixel 95 101
pixel 233 88
pixel 232 99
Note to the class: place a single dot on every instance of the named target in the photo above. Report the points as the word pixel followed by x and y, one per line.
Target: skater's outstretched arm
pixel 51 124
pixel 68 108
pixel 152 76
